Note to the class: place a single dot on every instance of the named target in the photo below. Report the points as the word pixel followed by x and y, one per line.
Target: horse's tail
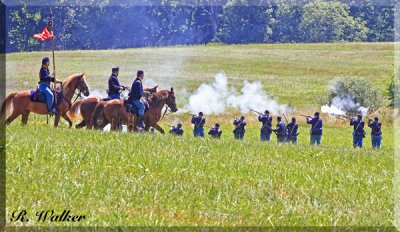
pixel 6 105
pixel 73 112
pixel 97 115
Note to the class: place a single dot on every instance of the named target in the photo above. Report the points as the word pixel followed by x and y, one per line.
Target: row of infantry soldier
pixel 286 133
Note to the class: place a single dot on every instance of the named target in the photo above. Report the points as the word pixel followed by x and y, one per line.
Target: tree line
pixel 104 26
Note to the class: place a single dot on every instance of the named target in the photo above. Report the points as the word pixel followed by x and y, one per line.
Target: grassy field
pixel 153 179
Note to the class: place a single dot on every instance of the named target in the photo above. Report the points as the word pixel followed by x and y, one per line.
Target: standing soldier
pixel 316 128
pixel 114 87
pixel 177 130
pixel 240 127
pixel 198 122
pixel 215 132
pixel 266 129
pixel 292 131
pixel 281 132
pixel 358 131
pixel 135 96
pixel 376 132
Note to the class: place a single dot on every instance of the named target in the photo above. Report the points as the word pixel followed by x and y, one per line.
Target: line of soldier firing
pixel 285 133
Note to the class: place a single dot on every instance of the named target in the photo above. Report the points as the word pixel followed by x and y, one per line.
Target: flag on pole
pixel 47 32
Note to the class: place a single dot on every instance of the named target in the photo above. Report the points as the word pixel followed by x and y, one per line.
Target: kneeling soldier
pixel 215 132
pixel 177 130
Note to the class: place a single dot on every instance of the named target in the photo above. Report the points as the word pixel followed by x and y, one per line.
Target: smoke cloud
pixel 343 105
pixel 217 97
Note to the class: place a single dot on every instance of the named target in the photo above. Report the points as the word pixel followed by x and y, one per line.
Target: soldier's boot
pixel 140 123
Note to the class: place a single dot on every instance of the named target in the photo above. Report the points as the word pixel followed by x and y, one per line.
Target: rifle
pixel 285 119
pixel 232 115
pixel 168 125
pixel 191 114
pixel 256 111
pixel 305 116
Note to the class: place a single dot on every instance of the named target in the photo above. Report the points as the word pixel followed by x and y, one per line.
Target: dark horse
pixel 86 108
pixel 115 110
pixel 22 104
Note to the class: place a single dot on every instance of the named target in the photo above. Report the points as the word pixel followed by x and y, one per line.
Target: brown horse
pixel 22 104
pixel 115 110
pixel 86 107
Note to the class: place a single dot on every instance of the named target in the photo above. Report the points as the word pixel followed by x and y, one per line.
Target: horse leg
pixel 81 124
pixel 114 124
pixel 56 120
pixel 13 116
pixel 25 116
pixel 66 117
pixel 157 127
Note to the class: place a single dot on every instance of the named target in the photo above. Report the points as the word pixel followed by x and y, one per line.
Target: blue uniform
pixel 215 132
pixel 239 129
pixel 281 132
pixel 316 130
pixel 358 132
pixel 114 87
pixel 176 131
pixel 135 94
pixel 292 132
pixel 198 130
pixel 266 129
pixel 44 87
pixel 376 133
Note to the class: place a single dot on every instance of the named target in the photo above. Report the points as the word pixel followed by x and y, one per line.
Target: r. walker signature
pixel 46 216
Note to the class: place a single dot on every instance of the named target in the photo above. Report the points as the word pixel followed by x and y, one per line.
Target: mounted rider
pixel 44 85
pixel 114 88
pixel 135 96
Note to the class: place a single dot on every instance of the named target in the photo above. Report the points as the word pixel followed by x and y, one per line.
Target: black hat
pixel 279 118
pixel 201 113
pixel 140 72
pixel 266 112
pixel 242 117
pixel 45 60
pixel 179 125
pixel 316 114
pixel 115 69
pixel 376 119
pixel 216 124
pixel 359 116
pixel 293 119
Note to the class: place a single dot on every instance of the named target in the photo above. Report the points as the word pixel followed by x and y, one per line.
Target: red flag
pixel 47 33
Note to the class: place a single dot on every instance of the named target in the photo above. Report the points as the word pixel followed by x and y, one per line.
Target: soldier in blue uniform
pixel 240 128
pixel 114 87
pixel 177 130
pixel 281 131
pixel 358 131
pixel 316 129
pixel 215 132
pixel 376 132
pixel 292 131
pixel 44 85
pixel 135 96
pixel 198 121
pixel 266 129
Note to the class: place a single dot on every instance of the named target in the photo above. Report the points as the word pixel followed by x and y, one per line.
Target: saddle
pixel 132 108
pixel 38 96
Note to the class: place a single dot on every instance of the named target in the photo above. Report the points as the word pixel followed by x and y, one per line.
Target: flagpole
pixel 54 60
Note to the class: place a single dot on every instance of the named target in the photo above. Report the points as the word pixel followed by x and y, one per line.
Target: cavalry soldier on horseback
pixel 114 87
pixel 215 132
pixel 240 128
pixel 198 121
pixel 44 85
pixel 135 96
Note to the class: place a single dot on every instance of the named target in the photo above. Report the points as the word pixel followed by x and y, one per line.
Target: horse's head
pixel 171 103
pixel 81 84
pixel 152 90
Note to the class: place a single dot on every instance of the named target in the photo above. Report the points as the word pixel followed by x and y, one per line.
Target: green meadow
pixel 161 180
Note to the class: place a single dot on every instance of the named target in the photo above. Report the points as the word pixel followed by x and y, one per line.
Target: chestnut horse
pixel 86 107
pixel 115 110
pixel 22 104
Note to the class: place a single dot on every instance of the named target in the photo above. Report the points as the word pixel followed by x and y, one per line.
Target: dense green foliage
pixel 105 26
